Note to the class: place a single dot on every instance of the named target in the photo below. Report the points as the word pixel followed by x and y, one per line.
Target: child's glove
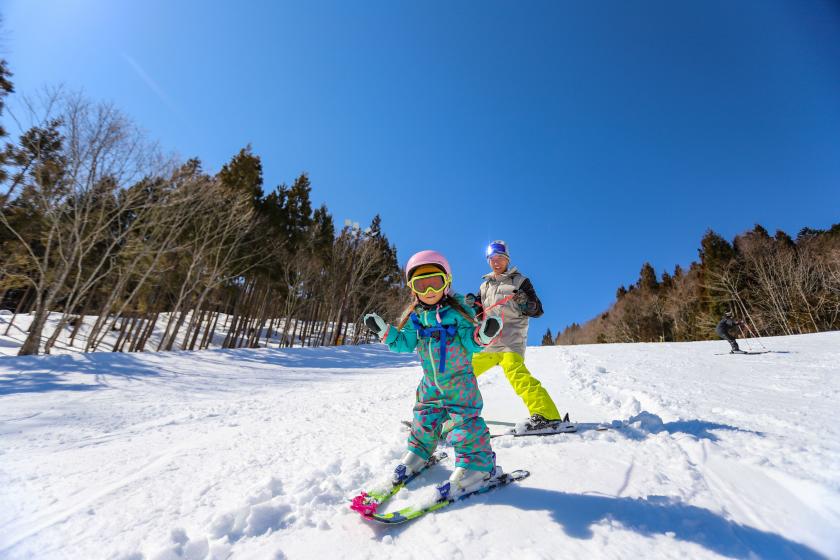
pixel 469 299
pixel 376 324
pixel 489 329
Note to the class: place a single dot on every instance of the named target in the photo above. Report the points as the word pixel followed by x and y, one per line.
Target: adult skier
pixel 508 292
pixel 726 330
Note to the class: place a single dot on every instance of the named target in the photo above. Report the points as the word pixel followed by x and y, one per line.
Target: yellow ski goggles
pixel 424 284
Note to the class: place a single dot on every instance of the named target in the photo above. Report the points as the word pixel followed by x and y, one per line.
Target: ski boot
pixel 464 480
pixel 540 425
pixel 411 463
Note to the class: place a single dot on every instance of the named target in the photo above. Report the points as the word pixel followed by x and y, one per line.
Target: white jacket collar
pixel 506 274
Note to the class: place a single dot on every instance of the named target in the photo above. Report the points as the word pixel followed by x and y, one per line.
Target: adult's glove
pixel 376 324
pixel 469 299
pixel 525 305
pixel 489 329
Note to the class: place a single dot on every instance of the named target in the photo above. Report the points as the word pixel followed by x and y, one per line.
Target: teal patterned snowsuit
pixel 448 389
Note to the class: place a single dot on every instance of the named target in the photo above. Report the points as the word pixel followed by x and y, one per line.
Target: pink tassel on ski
pixel 362 506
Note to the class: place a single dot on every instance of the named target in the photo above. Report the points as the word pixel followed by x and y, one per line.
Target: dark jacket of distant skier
pixel 726 329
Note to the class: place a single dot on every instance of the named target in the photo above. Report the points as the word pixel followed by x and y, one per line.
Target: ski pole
pixel 746 341
pixel 758 336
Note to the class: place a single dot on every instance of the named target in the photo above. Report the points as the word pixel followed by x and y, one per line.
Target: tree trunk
pixel 32 343
pixel 121 337
pixel 150 328
pixel 196 330
pixel 20 306
pixel 56 332
pixel 79 322
pixel 207 339
pixel 136 334
pixel 233 318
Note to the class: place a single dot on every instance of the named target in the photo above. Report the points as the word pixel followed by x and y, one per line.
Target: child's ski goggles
pixel 424 284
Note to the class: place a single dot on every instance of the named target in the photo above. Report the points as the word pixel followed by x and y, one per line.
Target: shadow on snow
pixel 640 426
pixel 41 374
pixel 655 515
pixel 649 517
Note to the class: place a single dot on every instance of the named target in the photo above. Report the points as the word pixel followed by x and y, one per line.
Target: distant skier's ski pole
pixel 756 335
pixel 746 339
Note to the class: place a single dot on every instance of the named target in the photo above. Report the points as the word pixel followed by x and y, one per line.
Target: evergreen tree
pixel 647 278
pixel 715 251
pixel 244 174
pixel 784 240
pixel 548 338
pixel 716 256
pixel 6 88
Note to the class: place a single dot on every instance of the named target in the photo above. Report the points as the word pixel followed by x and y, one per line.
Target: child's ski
pixel 413 512
pixel 367 502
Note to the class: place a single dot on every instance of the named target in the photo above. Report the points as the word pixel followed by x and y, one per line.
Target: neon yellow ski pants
pixel 528 387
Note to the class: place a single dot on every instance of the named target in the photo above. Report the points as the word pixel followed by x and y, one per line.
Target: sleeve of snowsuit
pixel 534 306
pixel 477 306
pixel 404 340
pixel 466 329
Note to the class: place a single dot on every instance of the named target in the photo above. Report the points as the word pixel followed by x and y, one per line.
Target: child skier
pixel 445 334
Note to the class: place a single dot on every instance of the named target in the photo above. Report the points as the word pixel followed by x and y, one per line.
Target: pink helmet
pixel 427 257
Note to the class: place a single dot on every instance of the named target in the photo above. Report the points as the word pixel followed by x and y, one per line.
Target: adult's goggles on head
pixel 424 284
pixel 496 248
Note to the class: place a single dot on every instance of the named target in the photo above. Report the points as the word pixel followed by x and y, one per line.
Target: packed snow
pixel 17 327
pixel 256 453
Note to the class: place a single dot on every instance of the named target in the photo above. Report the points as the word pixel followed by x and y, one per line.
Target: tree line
pixel 777 284
pixel 96 223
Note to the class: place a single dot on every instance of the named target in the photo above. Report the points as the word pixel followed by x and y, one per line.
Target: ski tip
pixel 363 505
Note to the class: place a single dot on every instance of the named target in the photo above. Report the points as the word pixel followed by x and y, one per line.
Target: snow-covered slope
pixel 253 453
pixel 18 329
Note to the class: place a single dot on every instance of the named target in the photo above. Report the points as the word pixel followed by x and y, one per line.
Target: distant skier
pixel 507 291
pixel 444 332
pixel 726 330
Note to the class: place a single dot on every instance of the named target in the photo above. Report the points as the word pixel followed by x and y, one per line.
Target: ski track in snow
pixel 255 453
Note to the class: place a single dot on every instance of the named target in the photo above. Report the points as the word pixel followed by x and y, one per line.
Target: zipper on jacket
pixel 432 358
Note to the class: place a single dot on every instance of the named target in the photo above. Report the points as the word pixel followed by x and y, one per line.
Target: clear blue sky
pixel 591 135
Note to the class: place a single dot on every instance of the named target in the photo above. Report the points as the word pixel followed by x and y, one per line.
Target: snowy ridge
pixel 254 454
